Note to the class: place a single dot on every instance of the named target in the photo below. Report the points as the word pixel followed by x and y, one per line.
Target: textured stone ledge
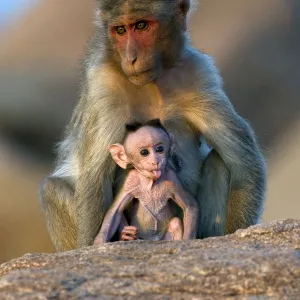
pixel 261 262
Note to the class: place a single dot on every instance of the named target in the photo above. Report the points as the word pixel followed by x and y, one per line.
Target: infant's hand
pixel 129 233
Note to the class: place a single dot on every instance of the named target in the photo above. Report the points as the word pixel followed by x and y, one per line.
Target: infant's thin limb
pixel 129 233
pixel 174 231
pixel 123 224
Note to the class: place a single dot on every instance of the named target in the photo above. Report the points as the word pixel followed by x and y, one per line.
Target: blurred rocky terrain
pixel 261 262
pixel 256 46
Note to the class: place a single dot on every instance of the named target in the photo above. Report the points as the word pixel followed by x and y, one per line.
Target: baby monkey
pixel 151 190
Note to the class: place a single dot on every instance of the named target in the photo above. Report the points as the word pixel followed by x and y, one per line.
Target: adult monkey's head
pixel 142 37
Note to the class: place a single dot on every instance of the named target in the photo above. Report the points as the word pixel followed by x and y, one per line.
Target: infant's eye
pixel 141 25
pixel 160 149
pixel 144 152
pixel 120 30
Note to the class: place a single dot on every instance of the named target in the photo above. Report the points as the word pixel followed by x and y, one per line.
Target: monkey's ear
pixel 184 6
pixel 118 154
pixel 100 14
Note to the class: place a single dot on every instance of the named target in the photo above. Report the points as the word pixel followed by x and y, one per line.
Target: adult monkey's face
pixel 145 36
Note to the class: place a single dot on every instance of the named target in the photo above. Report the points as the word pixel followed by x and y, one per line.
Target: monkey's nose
pixel 130 61
pixel 131 52
pixel 134 61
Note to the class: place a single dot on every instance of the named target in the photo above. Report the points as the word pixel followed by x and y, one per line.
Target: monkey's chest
pixel 155 201
pixel 151 214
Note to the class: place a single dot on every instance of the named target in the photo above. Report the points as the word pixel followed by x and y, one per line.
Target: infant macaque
pixel 151 190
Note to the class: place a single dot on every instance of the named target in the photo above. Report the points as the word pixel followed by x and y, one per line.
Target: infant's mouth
pixel 156 174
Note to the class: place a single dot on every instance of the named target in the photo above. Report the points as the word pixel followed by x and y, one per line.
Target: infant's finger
pixel 128 238
pixel 129 234
pixel 132 228
pixel 129 231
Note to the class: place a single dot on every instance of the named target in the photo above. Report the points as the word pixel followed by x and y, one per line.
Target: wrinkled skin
pixel 153 185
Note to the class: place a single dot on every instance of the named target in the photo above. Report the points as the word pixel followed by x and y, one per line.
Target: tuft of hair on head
pixel 156 124
pixel 134 126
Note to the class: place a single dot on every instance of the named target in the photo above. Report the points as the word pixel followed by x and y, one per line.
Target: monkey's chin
pixel 142 78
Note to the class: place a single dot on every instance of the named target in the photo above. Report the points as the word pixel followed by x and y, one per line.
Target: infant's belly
pixel 149 227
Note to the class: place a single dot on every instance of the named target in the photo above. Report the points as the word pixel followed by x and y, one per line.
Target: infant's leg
pixel 175 230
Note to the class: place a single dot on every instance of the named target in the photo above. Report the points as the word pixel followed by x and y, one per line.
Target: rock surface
pixel 261 262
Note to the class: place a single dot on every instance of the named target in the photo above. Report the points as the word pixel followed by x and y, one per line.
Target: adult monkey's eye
pixel 144 152
pixel 160 149
pixel 120 30
pixel 141 25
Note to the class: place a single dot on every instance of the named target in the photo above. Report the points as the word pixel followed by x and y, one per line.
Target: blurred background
pixel 256 45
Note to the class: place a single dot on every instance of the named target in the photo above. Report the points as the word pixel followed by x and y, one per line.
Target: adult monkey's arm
pixel 236 159
pixel 94 194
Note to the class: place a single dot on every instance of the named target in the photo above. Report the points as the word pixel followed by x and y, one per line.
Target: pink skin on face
pixel 142 38
pixel 148 149
pixel 153 166
pixel 135 46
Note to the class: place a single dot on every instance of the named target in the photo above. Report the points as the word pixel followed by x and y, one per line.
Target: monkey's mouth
pixel 156 174
pixel 142 77
pixel 139 73
pixel 145 71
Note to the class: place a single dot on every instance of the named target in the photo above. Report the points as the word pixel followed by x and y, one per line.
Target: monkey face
pixel 147 150
pixel 135 42
pixel 146 36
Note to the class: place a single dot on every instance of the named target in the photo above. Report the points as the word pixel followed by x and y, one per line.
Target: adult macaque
pixel 140 67
pixel 149 189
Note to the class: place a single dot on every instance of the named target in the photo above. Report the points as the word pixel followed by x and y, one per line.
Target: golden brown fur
pixel 188 98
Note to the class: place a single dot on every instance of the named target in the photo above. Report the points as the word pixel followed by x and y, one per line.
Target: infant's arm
pixel 112 218
pixel 187 203
pixel 114 215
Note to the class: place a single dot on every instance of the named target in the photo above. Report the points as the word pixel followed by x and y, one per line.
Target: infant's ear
pixel 118 154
